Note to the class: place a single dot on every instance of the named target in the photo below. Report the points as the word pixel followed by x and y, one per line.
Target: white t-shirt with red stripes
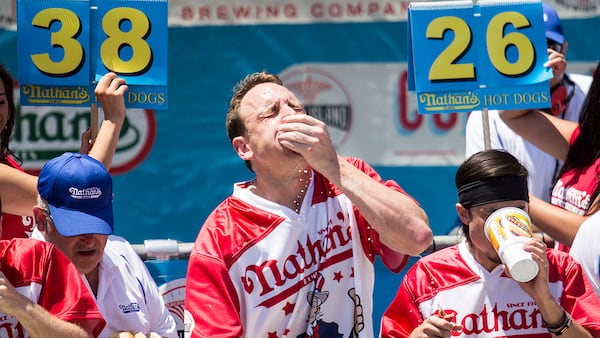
pixel 128 297
pixel 40 272
pixel 260 270
pixel 486 304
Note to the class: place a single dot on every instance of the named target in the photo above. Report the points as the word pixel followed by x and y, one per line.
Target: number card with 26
pixel 466 55
pixel 66 46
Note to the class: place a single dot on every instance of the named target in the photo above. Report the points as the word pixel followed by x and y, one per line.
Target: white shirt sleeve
pixel 586 249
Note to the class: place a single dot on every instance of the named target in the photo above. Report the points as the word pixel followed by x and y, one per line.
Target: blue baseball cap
pixel 78 189
pixel 554 30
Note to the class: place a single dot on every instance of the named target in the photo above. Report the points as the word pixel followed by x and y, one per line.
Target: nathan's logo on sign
pixel 449 101
pixel 324 98
pixel 56 95
pixel 42 133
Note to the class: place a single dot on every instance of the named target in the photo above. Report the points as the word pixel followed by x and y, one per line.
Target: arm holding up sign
pixel 567 94
pixel 21 186
pixel 576 189
pixel 547 132
pixel 110 91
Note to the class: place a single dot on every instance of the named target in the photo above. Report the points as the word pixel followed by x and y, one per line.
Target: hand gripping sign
pixel 466 55
pixel 65 46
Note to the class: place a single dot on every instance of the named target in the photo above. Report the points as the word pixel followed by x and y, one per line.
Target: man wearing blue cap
pixel 568 92
pixel 74 212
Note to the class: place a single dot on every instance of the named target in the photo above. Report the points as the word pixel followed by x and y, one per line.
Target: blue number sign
pixel 466 56
pixel 65 46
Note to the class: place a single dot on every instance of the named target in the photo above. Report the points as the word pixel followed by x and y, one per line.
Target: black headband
pixel 493 189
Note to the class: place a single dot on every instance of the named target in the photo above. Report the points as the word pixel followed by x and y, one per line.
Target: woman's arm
pixel 559 223
pixel 549 133
pixel 110 91
pixel 19 191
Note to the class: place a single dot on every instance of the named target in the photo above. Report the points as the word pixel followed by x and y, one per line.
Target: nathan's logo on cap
pixel 78 189
pixel 88 193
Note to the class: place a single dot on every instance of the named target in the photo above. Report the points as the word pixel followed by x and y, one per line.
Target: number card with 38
pixel 466 55
pixel 66 46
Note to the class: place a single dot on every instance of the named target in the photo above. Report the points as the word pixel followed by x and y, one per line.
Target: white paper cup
pixel 508 229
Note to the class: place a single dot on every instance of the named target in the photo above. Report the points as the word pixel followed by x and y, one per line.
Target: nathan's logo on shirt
pixel 10 327
pixel 131 307
pixel 272 274
pixel 515 318
pixel 85 194
pixel 570 198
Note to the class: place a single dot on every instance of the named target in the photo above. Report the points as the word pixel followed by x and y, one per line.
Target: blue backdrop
pixel 191 166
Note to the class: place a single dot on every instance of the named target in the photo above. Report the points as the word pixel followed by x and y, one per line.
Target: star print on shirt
pixel 337 276
pixel 288 308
